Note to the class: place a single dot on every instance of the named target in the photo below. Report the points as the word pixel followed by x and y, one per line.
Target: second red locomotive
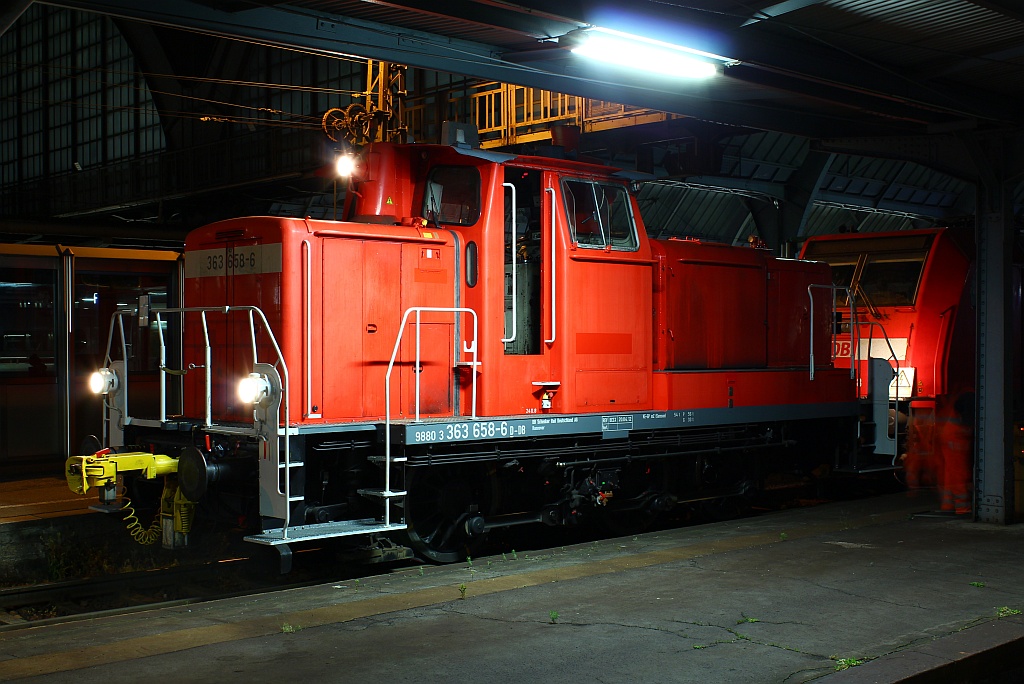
pixel 485 340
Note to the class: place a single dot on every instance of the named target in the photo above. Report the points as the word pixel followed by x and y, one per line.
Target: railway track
pixel 66 600
pixel 230 577
pixel 178 585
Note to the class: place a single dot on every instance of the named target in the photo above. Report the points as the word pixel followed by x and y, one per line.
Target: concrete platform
pixel 786 597
pixel 40 498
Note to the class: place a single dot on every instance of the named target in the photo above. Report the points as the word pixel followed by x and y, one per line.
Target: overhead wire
pixel 295 121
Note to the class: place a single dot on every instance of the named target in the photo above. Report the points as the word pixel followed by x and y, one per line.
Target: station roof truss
pixel 863 104
pixel 818 68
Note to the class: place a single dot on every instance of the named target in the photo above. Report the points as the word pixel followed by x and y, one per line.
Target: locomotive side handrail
pixel 472 347
pixel 554 213
pixel 119 315
pixel 512 337
pixel 853 321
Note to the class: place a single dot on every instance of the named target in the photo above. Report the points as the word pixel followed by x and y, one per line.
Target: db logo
pixel 841 349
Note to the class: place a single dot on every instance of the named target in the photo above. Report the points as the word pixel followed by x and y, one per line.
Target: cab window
pixel 600 215
pixel 452 195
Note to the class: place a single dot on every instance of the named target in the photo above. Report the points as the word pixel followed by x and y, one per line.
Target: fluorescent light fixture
pixel 647 54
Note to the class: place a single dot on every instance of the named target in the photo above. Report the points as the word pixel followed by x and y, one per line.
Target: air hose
pixel 135 528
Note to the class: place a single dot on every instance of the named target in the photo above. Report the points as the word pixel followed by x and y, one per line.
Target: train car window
pixel 28 326
pixel 891 282
pixel 882 271
pixel 599 215
pixel 842 276
pixel 452 195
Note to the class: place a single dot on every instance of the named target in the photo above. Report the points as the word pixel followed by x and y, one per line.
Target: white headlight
pixel 345 165
pixel 103 381
pixel 253 389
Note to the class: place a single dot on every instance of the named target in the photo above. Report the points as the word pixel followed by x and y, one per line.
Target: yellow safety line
pixel 193 637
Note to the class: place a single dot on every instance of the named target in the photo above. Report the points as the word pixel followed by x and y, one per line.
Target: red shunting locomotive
pixel 485 340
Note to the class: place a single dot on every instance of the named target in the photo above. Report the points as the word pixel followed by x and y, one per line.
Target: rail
pixel 470 347
pixel 853 321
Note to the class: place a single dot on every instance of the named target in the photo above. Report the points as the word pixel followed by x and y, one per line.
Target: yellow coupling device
pixel 100 470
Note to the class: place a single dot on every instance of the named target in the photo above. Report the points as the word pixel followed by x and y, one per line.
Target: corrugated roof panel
pixel 826 220
pixel 673 210
pixel 934 36
pixel 440 22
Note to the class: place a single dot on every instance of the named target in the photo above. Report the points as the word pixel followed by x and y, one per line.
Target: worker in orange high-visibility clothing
pixel 954 440
pixel 920 460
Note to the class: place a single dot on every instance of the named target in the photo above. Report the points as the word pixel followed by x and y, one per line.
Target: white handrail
pixel 853 318
pixel 551 266
pixel 307 315
pixel 208 361
pixel 473 347
pixel 512 337
pixel 118 316
pixel 163 365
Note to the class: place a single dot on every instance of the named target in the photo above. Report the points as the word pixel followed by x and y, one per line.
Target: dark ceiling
pixel 820 68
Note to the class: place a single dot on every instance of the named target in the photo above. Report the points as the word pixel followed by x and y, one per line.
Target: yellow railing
pixel 506 114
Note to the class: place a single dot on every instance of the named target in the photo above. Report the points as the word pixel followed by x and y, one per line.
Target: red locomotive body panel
pixel 734 329
pixel 793 288
pixel 712 307
pixel 335 300
pixel 335 293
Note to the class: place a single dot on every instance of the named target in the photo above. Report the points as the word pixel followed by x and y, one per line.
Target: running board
pixel 866 470
pixel 342 528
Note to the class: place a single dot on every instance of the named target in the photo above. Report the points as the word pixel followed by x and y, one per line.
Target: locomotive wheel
pixel 641 481
pixel 440 500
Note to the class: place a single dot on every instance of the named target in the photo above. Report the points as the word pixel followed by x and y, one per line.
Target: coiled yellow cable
pixel 135 528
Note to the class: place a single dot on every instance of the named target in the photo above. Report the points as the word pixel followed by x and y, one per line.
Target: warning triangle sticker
pixel 390 201
pixel 902 386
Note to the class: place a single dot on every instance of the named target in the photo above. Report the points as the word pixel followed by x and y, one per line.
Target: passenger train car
pixel 57 302
pixel 485 340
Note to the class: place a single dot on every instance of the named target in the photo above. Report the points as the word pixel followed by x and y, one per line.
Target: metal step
pixel 381 493
pixel 869 469
pixel 381 459
pixel 342 528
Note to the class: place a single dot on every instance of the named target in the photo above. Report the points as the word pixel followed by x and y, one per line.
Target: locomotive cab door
pixel 604 298
pixel 528 337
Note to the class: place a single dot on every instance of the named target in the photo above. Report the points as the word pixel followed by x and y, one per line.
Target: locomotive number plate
pixel 248 260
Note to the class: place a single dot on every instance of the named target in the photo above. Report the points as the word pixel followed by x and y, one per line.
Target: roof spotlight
pixel 103 381
pixel 254 389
